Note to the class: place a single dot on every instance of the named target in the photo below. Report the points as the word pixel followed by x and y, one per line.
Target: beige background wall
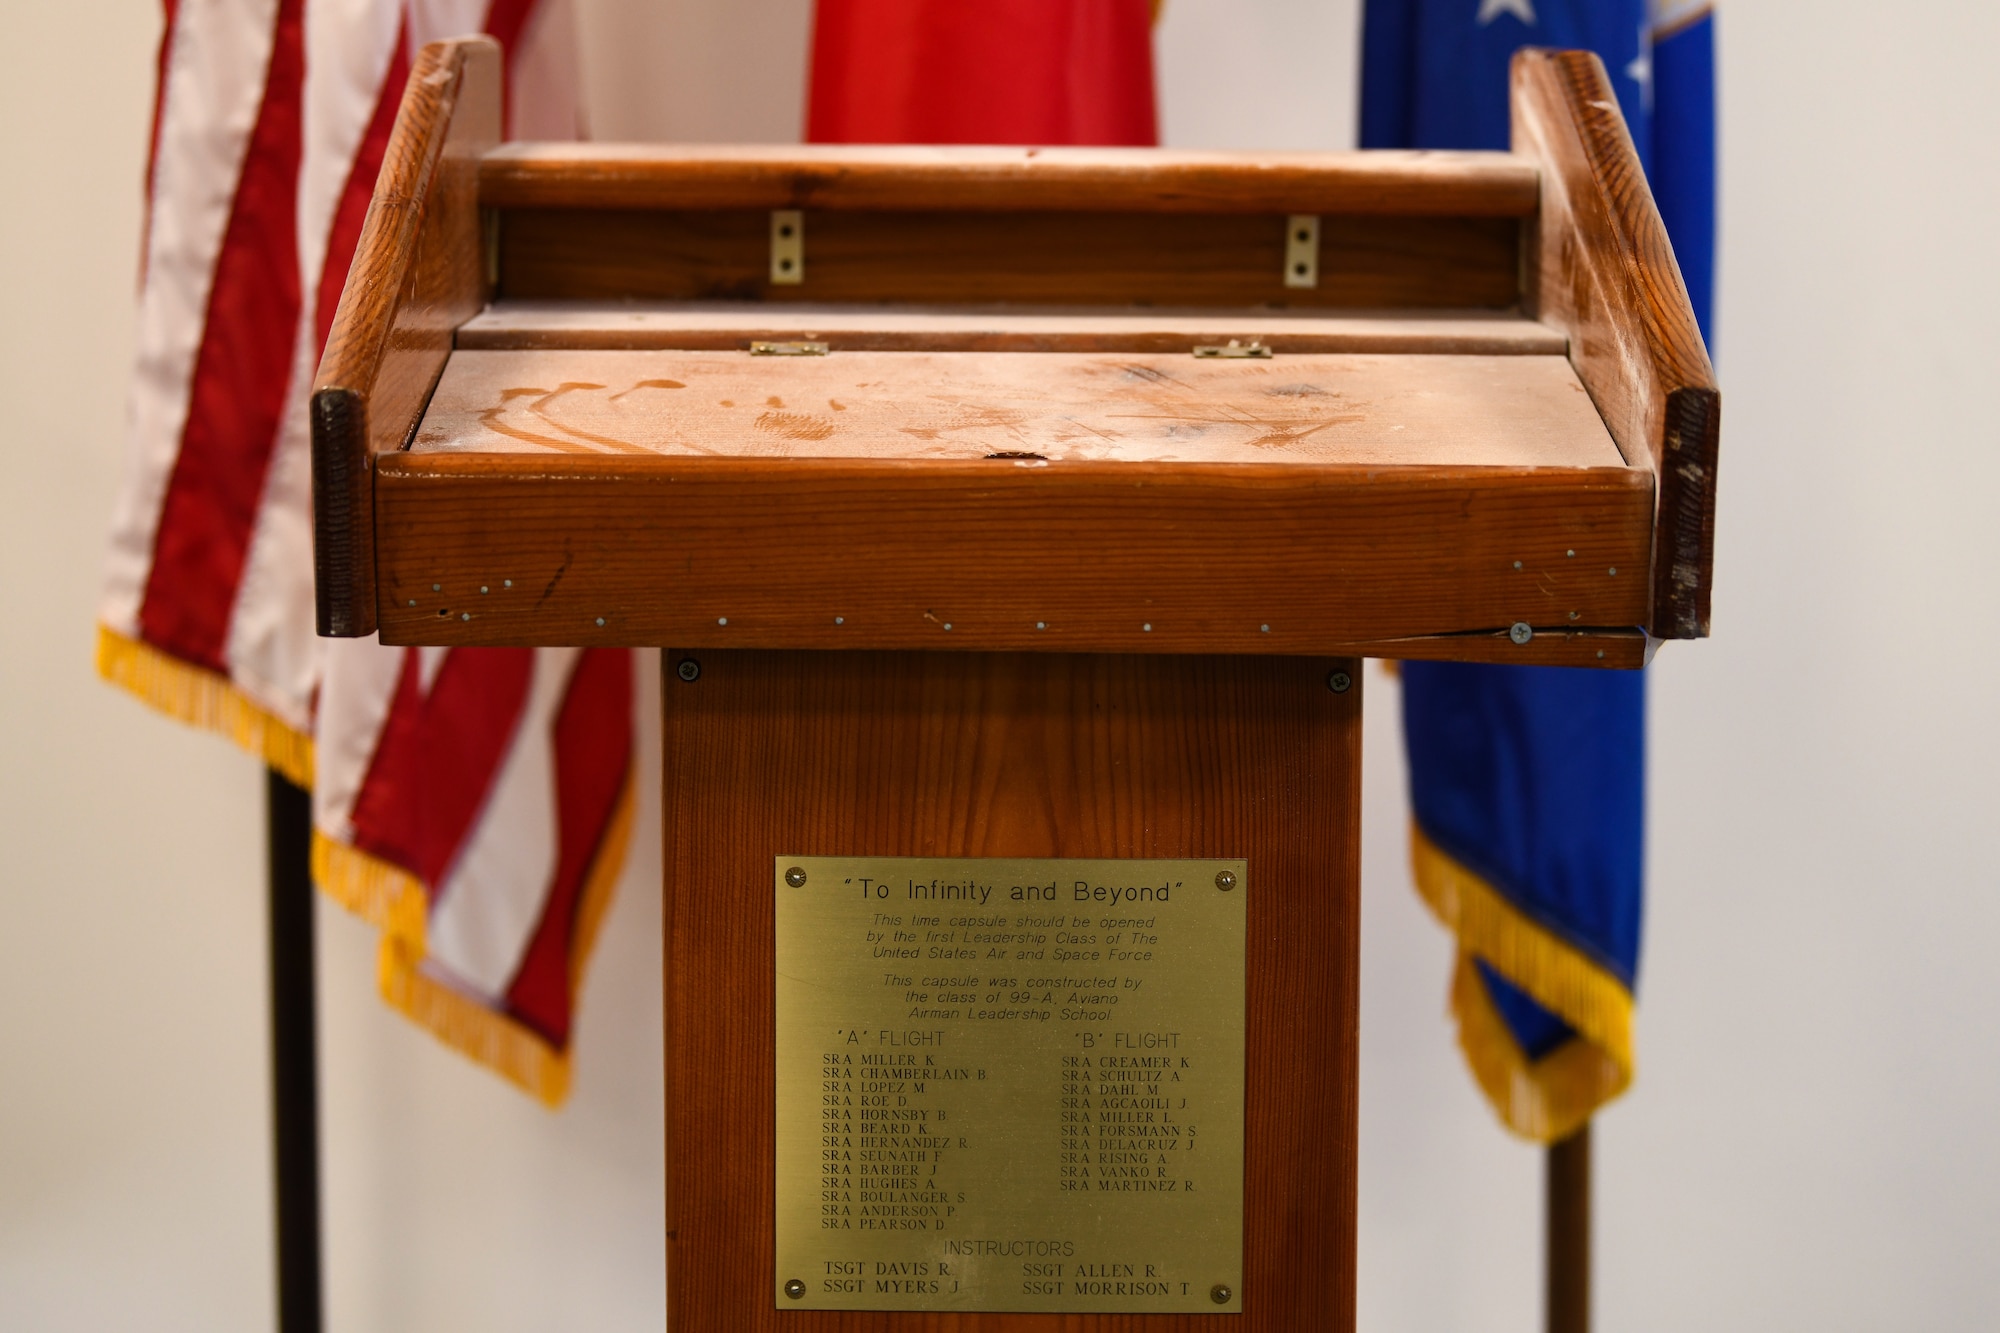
pixel 1812 1143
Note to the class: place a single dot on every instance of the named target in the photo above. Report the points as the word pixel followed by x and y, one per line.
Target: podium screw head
pixel 795 1289
pixel 689 669
pixel 1225 880
pixel 1220 1294
pixel 1339 682
pixel 1521 631
pixel 795 877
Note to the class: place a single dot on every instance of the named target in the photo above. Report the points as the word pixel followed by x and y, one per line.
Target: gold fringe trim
pixel 394 900
pixel 470 1028
pixel 1542 1100
pixel 384 895
pixel 600 884
pixel 1559 977
pixel 203 698
pixel 1548 1098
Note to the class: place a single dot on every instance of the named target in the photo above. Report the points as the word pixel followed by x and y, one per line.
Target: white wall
pixel 1811 1143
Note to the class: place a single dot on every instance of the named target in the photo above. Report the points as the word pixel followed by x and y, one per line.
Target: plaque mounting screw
pixel 1339 681
pixel 795 1289
pixel 1225 880
pixel 1220 1294
pixel 688 670
pixel 797 879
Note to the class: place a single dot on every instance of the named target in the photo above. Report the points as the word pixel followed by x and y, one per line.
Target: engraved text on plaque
pixel 1009 1084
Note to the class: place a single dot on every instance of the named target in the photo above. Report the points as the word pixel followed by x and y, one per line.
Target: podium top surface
pixel 1443 405
pixel 1022 407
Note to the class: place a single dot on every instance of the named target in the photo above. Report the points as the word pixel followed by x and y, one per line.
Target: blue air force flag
pixel 1528 783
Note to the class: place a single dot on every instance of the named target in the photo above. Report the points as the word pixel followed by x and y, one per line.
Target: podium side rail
pixel 1601 269
pixel 418 274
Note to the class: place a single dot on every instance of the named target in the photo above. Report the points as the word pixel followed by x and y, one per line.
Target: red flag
pixel 476 802
pixel 982 71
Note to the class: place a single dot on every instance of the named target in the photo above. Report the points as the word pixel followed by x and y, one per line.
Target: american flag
pixel 474 803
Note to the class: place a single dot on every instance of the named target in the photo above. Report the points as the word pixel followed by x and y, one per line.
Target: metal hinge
pixel 1302 250
pixel 788 349
pixel 788 247
pixel 1234 350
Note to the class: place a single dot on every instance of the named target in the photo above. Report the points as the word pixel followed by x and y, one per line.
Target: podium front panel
pixel 777 760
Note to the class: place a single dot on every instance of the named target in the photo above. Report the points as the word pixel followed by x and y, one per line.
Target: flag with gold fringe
pixel 473 803
pixel 1528 783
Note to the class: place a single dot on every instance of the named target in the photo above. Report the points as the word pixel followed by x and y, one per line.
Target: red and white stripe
pixel 490 780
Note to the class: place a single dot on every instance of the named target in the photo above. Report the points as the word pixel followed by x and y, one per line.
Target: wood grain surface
pixel 975 554
pixel 1617 649
pixel 1161 259
pixel 734 325
pixel 831 754
pixel 1372 543
pixel 417 275
pixel 980 179
pixel 1602 270
pixel 1465 411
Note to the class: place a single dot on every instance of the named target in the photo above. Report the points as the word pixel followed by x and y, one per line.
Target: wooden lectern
pixel 1012 516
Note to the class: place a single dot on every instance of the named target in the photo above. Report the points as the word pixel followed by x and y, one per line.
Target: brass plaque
pixel 1009 1084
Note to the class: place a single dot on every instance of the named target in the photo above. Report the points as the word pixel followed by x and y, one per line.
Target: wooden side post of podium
pixel 1026 507
pixel 956 755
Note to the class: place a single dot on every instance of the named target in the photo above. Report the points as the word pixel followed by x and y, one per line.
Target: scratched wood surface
pixel 989 555
pixel 830 754
pixel 853 177
pixel 1043 258
pixel 417 275
pixel 734 325
pixel 1498 411
pixel 1602 270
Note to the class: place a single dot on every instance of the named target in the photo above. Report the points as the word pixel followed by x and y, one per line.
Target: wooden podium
pixel 1017 508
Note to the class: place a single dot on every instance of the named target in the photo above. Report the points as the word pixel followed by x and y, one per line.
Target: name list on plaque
pixel 1009 1085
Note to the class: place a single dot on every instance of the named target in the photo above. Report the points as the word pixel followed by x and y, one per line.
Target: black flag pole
pixel 294 1054
pixel 1568 1235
